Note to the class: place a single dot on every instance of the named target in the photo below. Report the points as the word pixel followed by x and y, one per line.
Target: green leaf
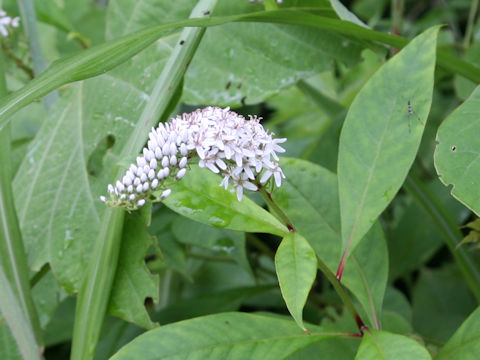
pixel 457 152
pixel 380 137
pixel 345 14
pixel 60 328
pixel 396 313
pixel 133 281
pixel 8 346
pixel 296 266
pixel 88 63
pixel 46 295
pixel 250 61
pixel 198 196
pixel 465 343
pixel 51 13
pixel 222 336
pixel 366 274
pixel 384 345
pixel 57 163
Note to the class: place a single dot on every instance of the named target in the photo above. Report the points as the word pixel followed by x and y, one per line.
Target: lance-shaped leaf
pixel 458 152
pixel 198 196
pixel 296 265
pixel 222 336
pixel 381 135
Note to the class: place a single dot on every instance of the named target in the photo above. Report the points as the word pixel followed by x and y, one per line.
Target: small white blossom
pixel 238 149
pixel 166 193
pixel 6 21
pixel 181 173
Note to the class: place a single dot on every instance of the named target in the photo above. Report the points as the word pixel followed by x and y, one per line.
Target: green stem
pixel 341 292
pixel 29 21
pixel 397 16
pixel 470 23
pixel 39 275
pixel 276 209
pixel 94 293
pixel 96 287
pixel 16 303
pixel 449 229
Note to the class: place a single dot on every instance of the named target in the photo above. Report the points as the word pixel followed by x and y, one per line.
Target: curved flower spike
pixel 225 142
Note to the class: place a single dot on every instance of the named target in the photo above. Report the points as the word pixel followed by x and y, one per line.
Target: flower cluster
pixel 7 21
pixel 224 142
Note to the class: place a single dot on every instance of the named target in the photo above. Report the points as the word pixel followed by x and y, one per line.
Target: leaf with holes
pixel 458 152
pixel 133 281
pixel 249 61
pixel 68 166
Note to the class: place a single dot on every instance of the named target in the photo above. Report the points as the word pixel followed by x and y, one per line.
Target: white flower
pixel 7 21
pixel 224 142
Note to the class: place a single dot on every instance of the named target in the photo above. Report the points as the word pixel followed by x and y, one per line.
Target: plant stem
pixel 95 290
pixel 29 21
pixel 40 274
pixel 16 303
pixel 96 287
pixel 397 15
pixel 470 23
pixel 268 199
pixel 449 229
pixel 341 292
pixel 19 62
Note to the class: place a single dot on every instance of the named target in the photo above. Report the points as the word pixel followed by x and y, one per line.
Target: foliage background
pixel 409 275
